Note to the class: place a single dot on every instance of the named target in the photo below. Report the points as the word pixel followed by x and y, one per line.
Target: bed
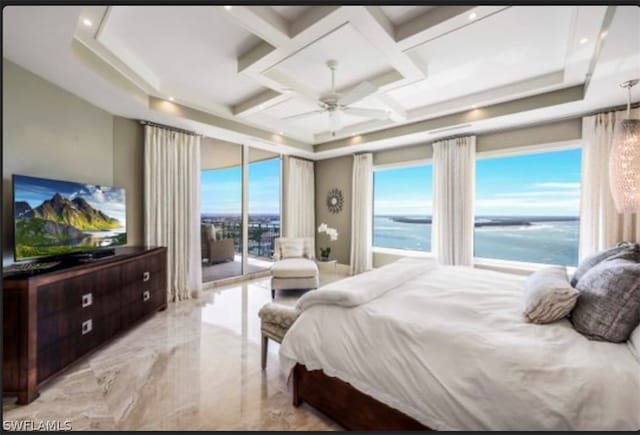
pixel 447 348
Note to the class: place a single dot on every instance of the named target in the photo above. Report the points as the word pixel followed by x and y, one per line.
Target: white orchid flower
pixel 322 228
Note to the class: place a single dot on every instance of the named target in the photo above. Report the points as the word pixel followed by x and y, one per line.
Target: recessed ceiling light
pixel 171 98
pixel 604 34
pixel 475 106
pixel 583 41
pixel 228 7
pixel 280 133
pixel 87 22
pixel 472 16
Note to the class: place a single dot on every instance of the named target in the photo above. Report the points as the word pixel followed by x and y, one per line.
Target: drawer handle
pixel 87 300
pixel 87 326
pixel 145 296
pixel 146 276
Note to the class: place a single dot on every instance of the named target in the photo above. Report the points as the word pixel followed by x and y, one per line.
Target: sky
pixel 221 189
pixel 109 200
pixel 540 184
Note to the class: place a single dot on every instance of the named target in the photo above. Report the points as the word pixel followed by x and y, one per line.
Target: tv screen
pixel 54 218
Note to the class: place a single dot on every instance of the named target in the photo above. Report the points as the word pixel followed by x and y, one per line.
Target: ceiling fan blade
pixel 302 115
pixel 336 120
pixel 367 113
pixel 361 91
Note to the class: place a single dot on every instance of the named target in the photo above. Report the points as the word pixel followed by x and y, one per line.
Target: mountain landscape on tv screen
pixel 62 224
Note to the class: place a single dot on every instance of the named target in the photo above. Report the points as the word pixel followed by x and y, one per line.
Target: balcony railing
pixel 262 235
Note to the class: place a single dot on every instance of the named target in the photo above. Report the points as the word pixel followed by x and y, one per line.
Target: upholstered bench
pixel 275 321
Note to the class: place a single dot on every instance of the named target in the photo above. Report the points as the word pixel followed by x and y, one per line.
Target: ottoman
pixel 294 273
pixel 275 321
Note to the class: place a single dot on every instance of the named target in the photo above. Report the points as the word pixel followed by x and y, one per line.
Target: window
pixel 264 207
pixel 402 208
pixel 527 207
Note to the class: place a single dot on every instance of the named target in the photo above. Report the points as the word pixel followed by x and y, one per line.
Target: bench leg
pixel 265 350
pixel 273 294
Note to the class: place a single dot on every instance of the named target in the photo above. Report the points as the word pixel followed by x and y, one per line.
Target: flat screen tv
pixel 54 218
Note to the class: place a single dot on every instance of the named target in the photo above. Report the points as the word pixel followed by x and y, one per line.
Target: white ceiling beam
pixel 257 103
pixel 293 85
pixel 263 22
pixel 313 17
pixel 397 112
pixel 371 22
pixel 259 51
pixel 439 21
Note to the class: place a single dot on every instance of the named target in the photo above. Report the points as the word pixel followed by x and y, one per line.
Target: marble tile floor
pixel 195 366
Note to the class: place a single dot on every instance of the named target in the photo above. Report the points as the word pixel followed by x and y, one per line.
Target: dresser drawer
pixel 70 293
pixel 94 332
pixel 148 302
pixel 141 270
pixel 61 324
pixel 132 292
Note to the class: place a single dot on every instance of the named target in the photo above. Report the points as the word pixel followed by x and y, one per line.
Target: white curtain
pixel 299 199
pixel 172 206
pixel 601 226
pixel 362 213
pixel 453 194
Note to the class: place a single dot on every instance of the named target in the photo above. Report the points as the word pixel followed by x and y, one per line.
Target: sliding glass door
pixel 240 209
pixel 221 210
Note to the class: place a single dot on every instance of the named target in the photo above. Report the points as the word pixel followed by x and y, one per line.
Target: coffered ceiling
pixel 257 74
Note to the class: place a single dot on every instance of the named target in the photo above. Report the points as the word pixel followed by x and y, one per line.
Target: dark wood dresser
pixel 53 318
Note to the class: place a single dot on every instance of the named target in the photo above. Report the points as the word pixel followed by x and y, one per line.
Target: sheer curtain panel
pixel 172 206
pixel 453 195
pixel 299 199
pixel 362 213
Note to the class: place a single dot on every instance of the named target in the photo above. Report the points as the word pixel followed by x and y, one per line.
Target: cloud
pixel 515 206
pixel 536 194
pixel 558 185
pixel 109 200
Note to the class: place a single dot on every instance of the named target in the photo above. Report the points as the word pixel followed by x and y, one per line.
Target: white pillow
pixel 634 342
pixel 548 295
pixel 291 248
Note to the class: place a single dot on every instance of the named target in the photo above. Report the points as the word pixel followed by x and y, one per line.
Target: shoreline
pixel 491 221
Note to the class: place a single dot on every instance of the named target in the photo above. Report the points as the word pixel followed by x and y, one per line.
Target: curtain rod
pixel 168 127
pixel 613 109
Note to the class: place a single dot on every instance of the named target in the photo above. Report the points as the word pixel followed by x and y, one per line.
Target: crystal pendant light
pixel 624 161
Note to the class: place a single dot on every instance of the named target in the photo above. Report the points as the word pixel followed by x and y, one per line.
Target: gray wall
pixel 560 131
pixel 49 132
pixel 338 171
pixel 334 173
pixel 128 172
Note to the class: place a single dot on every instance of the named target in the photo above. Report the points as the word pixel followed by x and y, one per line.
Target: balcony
pixel 262 232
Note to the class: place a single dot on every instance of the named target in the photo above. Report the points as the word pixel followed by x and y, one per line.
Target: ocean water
pixel 542 242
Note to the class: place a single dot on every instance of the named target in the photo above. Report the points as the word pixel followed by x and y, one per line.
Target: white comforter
pixel 450 348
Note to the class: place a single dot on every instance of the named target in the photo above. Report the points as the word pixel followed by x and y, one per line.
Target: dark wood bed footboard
pixel 349 407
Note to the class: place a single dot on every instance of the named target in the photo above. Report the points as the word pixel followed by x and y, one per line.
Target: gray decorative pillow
pixel 548 295
pixel 630 251
pixel 608 307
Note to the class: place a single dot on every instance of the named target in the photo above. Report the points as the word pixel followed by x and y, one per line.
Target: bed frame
pixel 349 407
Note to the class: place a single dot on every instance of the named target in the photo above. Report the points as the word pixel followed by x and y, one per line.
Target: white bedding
pixel 450 348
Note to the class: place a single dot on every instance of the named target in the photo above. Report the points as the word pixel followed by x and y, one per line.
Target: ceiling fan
pixel 335 104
